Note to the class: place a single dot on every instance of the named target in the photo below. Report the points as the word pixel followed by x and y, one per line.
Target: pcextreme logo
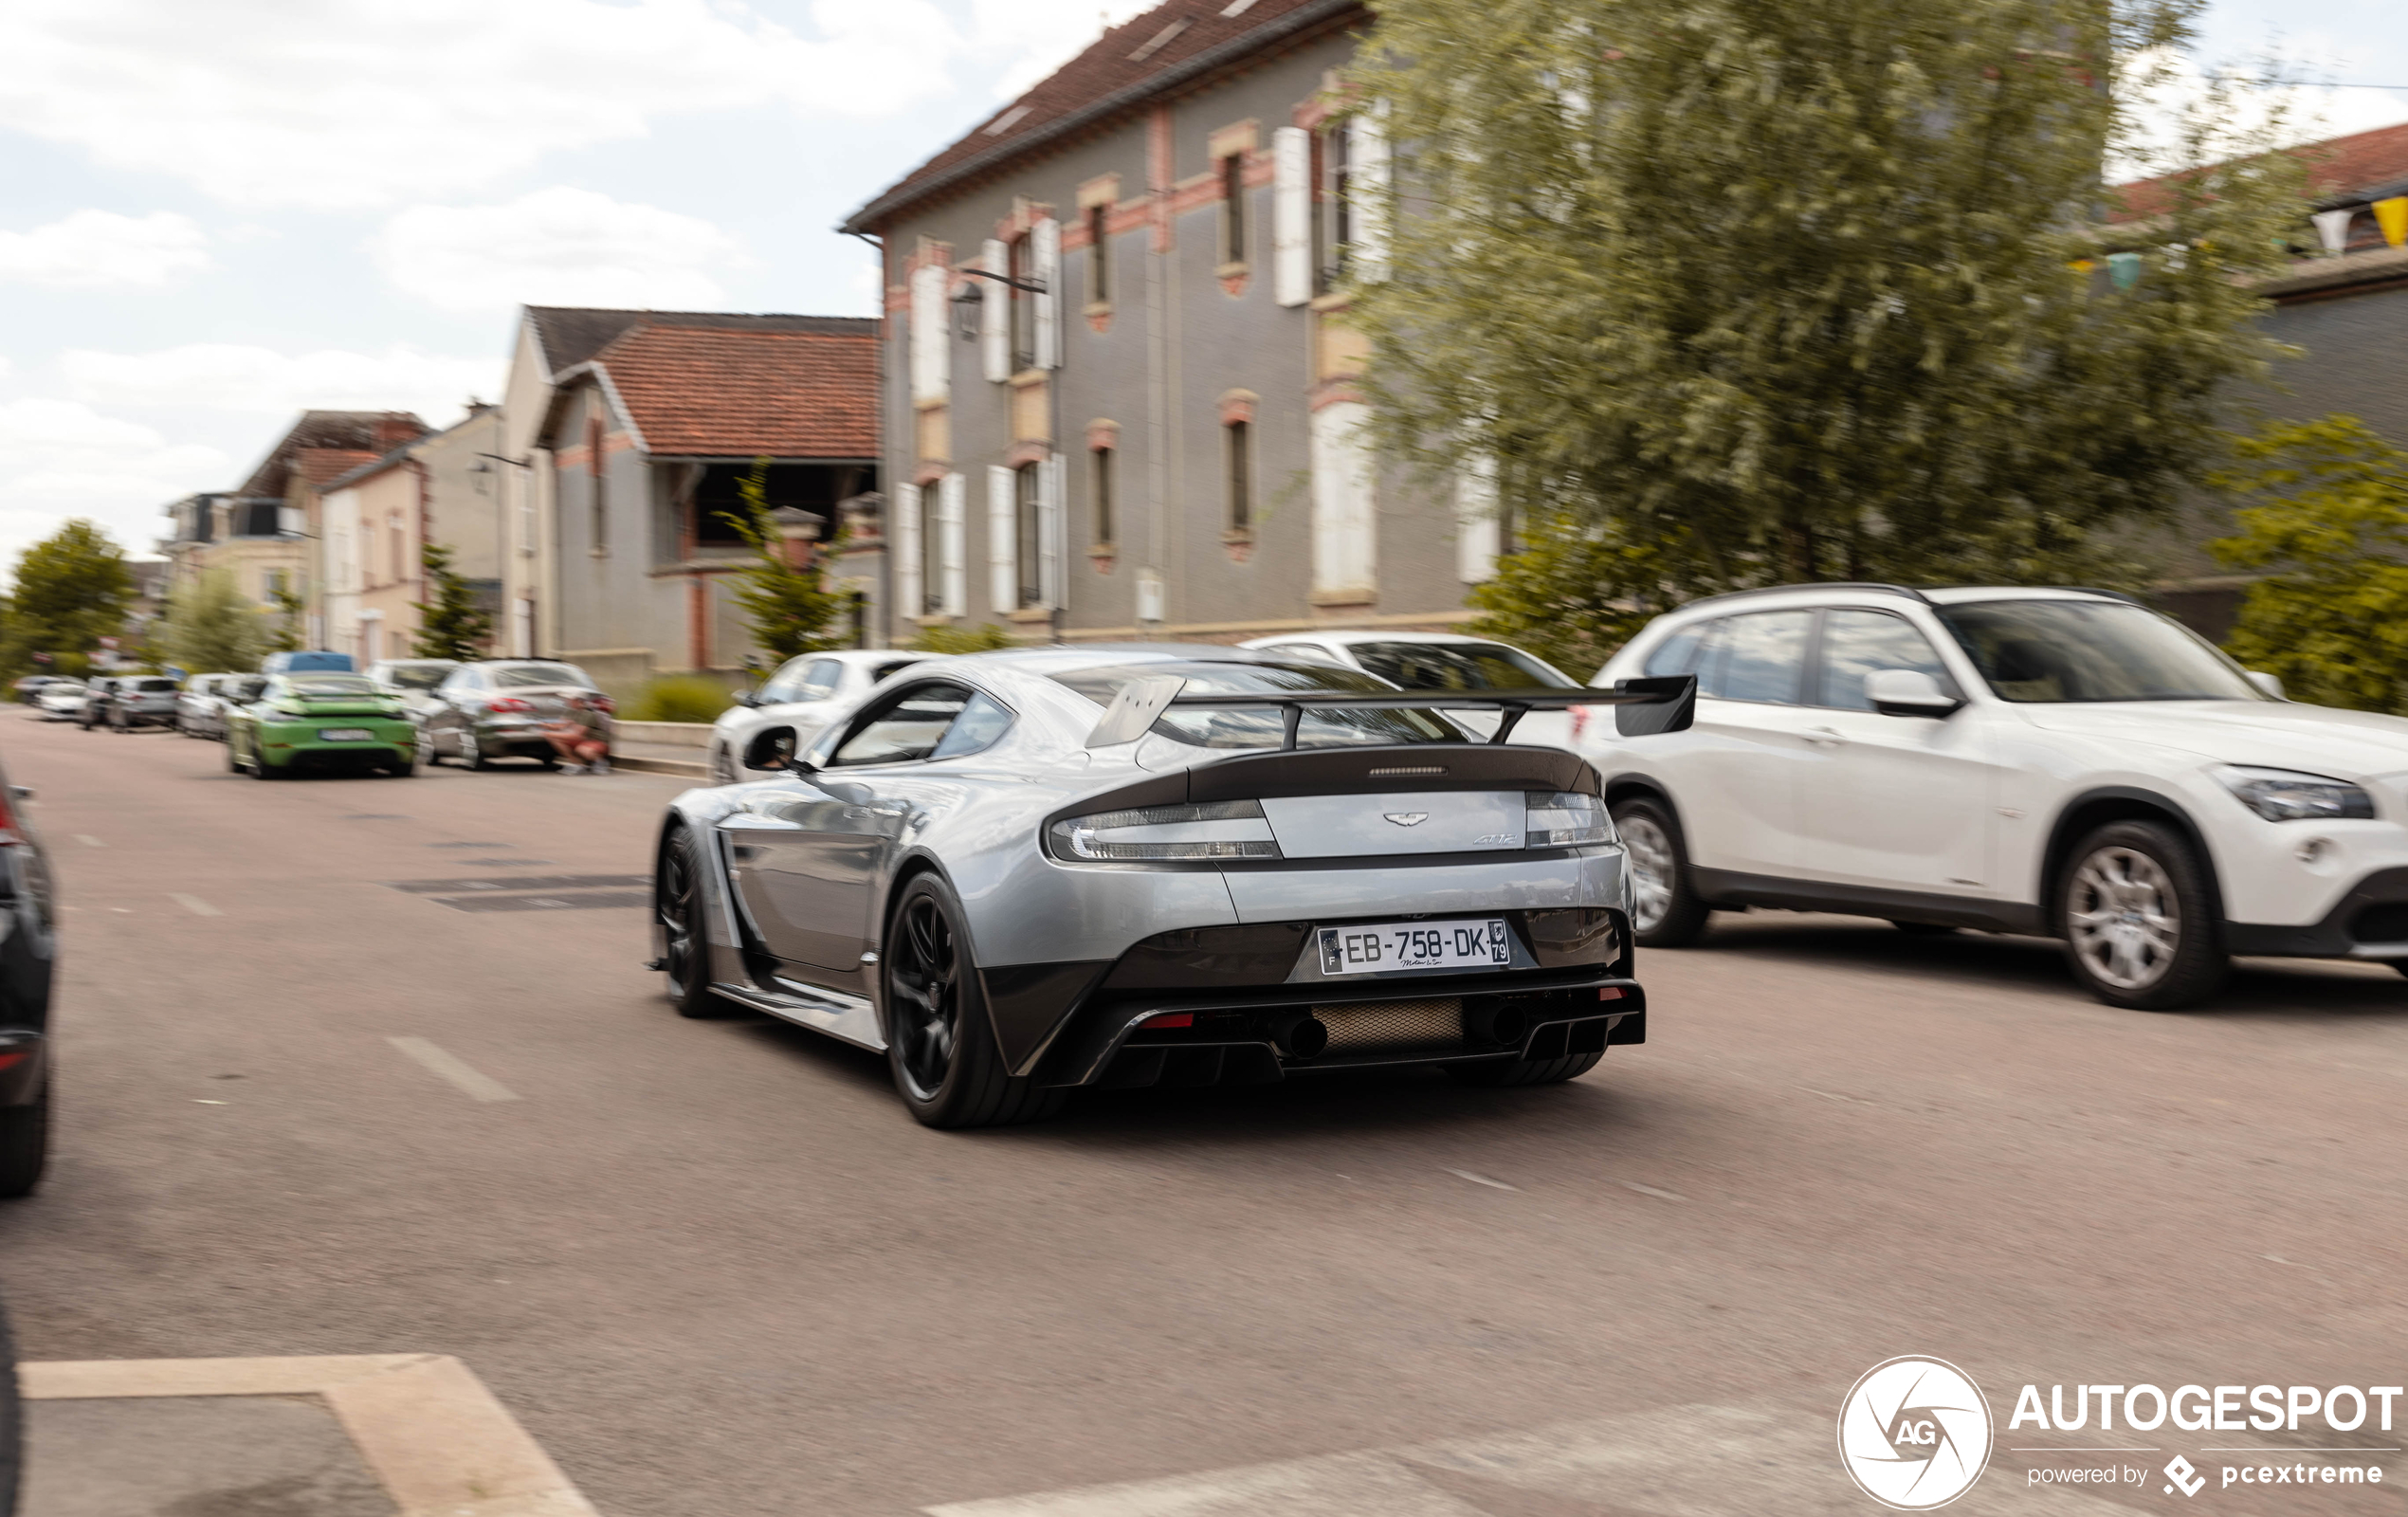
pixel 1914 1432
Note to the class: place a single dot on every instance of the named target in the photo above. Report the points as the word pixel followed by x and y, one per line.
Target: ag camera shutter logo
pixel 1914 1432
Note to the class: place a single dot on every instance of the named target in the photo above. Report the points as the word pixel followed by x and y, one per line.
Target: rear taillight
pixel 1217 829
pixel 507 703
pixel 1561 819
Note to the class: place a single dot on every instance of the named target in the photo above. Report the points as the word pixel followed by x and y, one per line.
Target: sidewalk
pixel 366 1435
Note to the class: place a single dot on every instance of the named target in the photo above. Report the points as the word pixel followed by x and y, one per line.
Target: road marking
pixel 195 905
pixel 541 903
pixel 474 1083
pixel 1482 1180
pixel 89 841
pixel 524 882
pixel 1650 1190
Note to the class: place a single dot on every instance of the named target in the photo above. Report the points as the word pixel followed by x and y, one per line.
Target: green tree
pixel 451 625
pixel 284 630
pixel 211 627
pixel 72 590
pixel 793 611
pixel 2330 534
pixel 1738 292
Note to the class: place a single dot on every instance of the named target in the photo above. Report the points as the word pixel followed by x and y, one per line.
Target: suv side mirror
pixel 1907 693
pixel 2271 683
pixel 771 749
pixel 748 698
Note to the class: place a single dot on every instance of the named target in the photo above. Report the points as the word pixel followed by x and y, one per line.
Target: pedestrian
pixel 581 736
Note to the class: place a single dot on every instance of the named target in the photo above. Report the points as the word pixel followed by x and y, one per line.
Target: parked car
pixel 311 720
pixel 199 709
pixel 28 955
pixel 60 701
pixel 2053 762
pixel 98 691
pixel 1023 872
pixel 142 701
pixel 1440 661
pixel 415 680
pixel 299 660
pixel 496 709
pixel 29 688
pixel 805 692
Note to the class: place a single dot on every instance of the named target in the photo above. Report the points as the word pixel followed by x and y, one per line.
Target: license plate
pixel 345 735
pixel 1393 945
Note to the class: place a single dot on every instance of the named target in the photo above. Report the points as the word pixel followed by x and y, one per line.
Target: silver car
pixel 496 709
pixel 807 690
pixel 200 709
pixel 415 680
pixel 1021 872
pixel 141 701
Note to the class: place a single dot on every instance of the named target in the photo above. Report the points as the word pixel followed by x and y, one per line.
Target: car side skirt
pixel 1731 888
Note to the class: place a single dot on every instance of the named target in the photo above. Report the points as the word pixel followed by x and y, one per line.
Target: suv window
pixel 1677 654
pixel 1857 643
pixel 906 727
pixel 787 683
pixel 1760 656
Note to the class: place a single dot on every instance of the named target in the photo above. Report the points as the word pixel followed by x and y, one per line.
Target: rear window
pixel 1263 729
pixel 518 676
pixel 332 685
pixel 154 684
pixel 416 676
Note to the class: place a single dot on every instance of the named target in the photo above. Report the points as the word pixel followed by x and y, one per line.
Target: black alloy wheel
pixel 939 1041
pixel 686 951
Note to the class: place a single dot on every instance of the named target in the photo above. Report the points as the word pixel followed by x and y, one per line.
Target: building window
pixel 1024 310
pixel 1241 474
pixel 1099 255
pixel 1102 473
pixel 401 551
pixel 932 550
pixel 1029 533
pixel 596 477
pixel 1334 226
pixel 1233 209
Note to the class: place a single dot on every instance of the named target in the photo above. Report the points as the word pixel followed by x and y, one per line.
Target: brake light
pixel 507 703
pixel 1170 1019
pixel 9 837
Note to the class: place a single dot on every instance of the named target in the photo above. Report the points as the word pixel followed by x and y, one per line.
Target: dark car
pixel 28 951
pixel 496 709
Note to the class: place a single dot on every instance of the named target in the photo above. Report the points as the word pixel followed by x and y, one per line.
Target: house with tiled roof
pixel 1120 392
pixel 635 428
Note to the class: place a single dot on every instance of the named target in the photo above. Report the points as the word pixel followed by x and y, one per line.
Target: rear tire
pixel 2134 909
pixel 939 1044
pixel 677 904
pixel 401 771
pixel 1491 1075
pixel 1665 910
pixel 25 1143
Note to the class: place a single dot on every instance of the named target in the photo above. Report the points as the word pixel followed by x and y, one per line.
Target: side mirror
pixel 2272 684
pixel 748 698
pixel 1907 693
pixel 771 750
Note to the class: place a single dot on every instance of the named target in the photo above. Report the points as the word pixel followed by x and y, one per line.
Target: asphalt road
pixel 715 1269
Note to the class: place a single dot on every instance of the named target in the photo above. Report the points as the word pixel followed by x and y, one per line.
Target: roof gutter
pixel 1303 18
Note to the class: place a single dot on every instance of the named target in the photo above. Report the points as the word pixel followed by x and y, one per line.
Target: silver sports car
pixel 1018 873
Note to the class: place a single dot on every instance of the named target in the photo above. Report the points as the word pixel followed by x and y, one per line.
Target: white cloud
pixel 59 458
pixel 370 102
pixel 96 250
pixel 2291 113
pixel 556 247
pixel 236 378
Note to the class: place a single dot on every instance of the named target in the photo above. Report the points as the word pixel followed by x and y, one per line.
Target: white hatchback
pixel 2053 762
pixel 807 690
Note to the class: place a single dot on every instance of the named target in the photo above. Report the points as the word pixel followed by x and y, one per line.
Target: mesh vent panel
pixel 1368 1025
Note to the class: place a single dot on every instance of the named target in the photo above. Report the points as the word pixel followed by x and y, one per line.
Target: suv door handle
pixel 1825 737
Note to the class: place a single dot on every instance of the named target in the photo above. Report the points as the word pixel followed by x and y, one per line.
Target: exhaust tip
pixel 1304 1038
pixel 1508 1024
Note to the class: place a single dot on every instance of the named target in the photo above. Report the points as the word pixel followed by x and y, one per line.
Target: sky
pixel 214 213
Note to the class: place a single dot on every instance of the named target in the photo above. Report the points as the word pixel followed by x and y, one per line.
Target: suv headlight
pixel 1217 829
pixel 1561 818
pixel 2286 796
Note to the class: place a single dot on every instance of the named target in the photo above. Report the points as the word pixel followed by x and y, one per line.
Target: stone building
pixel 1120 390
pixel 378 519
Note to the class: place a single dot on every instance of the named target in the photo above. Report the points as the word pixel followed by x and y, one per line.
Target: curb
pixel 689 768
pixel 437 1440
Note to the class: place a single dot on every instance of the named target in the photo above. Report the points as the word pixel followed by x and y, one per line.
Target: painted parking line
pixel 586 901
pixel 89 841
pixel 470 1081
pixel 525 882
pixel 195 905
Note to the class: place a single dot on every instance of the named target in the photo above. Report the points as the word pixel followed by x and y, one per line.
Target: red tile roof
pixel 722 392
pixel 371 431
pixel 319 465
pixel 2344 169
pixel 1169 45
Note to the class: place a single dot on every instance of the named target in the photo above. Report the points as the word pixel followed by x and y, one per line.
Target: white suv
pixel 2055 762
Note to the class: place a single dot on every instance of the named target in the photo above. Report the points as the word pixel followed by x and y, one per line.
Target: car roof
pixel 1779 597
pixel 1351 638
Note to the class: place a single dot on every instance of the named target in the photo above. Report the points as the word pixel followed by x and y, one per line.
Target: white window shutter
pixel 931 373
pixel 910 599
pixel 1049 539
pixel 1344 541
pixel 1476 526
pixel 956 590
pixel 995 312
pixel 1003 569
pixel 1045 245
pixel 1368 153
pixel 1291 215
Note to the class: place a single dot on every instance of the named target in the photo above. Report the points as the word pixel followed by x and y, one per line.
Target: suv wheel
pixel 1665 910
pixel 2133 908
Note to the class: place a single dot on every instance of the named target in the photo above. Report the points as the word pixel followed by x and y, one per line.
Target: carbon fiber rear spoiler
pixel 1642 708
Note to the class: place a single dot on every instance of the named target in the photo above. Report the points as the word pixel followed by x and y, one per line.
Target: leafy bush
pixel 678 698
pixel 984 638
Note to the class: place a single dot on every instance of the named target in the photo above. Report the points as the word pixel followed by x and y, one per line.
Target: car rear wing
pixel 1642 707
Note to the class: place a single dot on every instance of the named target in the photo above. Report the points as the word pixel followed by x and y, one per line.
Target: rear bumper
pixel 24 1064
pixel 2369 921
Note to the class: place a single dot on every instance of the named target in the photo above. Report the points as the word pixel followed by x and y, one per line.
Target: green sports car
pixel 345 723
